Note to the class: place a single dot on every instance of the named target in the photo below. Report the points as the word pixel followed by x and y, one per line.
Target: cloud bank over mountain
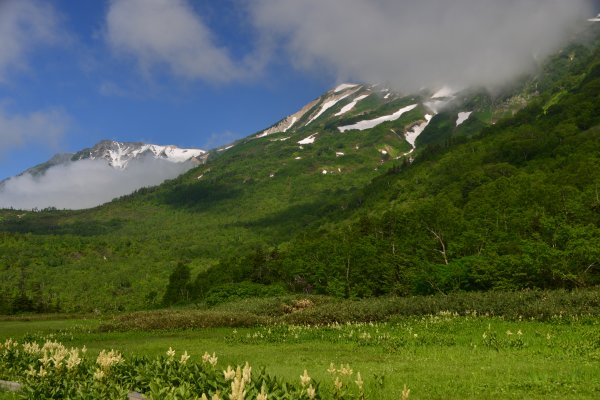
pixel 85 183
pixel 414 44
pixel 408 44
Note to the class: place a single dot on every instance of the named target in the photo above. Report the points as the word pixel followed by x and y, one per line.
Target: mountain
pixel 363 192
pixel 359 107
pixel 96 175
pixel 120 154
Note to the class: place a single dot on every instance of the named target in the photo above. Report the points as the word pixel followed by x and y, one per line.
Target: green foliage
pixel 51 371
pixel 237 291
pixel 181 319
pixel 439 129
pixel 510 209
pixel 319 310
pixel 178 287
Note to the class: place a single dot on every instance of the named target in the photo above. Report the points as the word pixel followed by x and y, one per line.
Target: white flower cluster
pixel 53 355
pixel 304 381
pixel 105 360
pixel 207 358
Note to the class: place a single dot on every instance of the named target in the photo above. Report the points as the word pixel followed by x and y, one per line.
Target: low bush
pixel 182 319
pixel 528 304
pixel 239 291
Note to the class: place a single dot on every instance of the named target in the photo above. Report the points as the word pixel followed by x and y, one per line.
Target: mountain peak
pixel 315 109
pixel 119 154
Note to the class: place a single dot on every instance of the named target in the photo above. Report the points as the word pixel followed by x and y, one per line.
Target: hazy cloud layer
pixel 218 139
pixel 85 183
pixel 168 33
pixel 24 25
pixel 426 43
pixel 39 128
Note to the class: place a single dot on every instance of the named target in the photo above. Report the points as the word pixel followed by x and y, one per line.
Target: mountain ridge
pixel 119 154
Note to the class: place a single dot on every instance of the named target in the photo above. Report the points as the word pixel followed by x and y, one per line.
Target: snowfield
pixel 412 135
pixel 372 123
pixel 326 106
pixel 350 106
pixel 309 140
pixel 122 154
pixel 462 117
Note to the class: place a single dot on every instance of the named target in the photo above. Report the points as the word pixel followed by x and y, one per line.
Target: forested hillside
pixel 517 206
pixel 507 200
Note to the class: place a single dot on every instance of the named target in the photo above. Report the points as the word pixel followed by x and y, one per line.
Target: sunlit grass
pixel 437 357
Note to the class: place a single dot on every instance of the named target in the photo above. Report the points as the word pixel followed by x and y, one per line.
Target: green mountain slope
pixel 120 255
pixel 517 206
pixel 311 208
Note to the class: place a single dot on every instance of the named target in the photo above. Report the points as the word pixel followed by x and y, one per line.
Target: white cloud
pixel 169 33
pixel 85 183
pixel 220 139
pixel 24 25
pixel 414 44
pixel 38 128
pixel 108 89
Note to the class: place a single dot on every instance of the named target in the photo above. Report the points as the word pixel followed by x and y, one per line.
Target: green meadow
pixel 442 355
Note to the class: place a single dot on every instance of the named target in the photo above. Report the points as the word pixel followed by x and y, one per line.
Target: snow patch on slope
pixel 327 105
pixel 289 121
pixel 415 132
pixel 369 124
pixel 412 135
pixel 283 139
pixel 350 106
pixel 309 140
pixel 462 117
pixel 292 122
pixel 225 148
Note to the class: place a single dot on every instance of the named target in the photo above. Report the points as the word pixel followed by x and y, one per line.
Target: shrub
pixel 238 291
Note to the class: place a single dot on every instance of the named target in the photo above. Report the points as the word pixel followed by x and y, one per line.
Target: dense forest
pixel 518 207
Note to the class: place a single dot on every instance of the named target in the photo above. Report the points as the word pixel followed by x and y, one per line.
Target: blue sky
pixel 84 89
pixel 202 73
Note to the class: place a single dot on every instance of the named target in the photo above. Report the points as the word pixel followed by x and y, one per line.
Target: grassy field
pixel 437 356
